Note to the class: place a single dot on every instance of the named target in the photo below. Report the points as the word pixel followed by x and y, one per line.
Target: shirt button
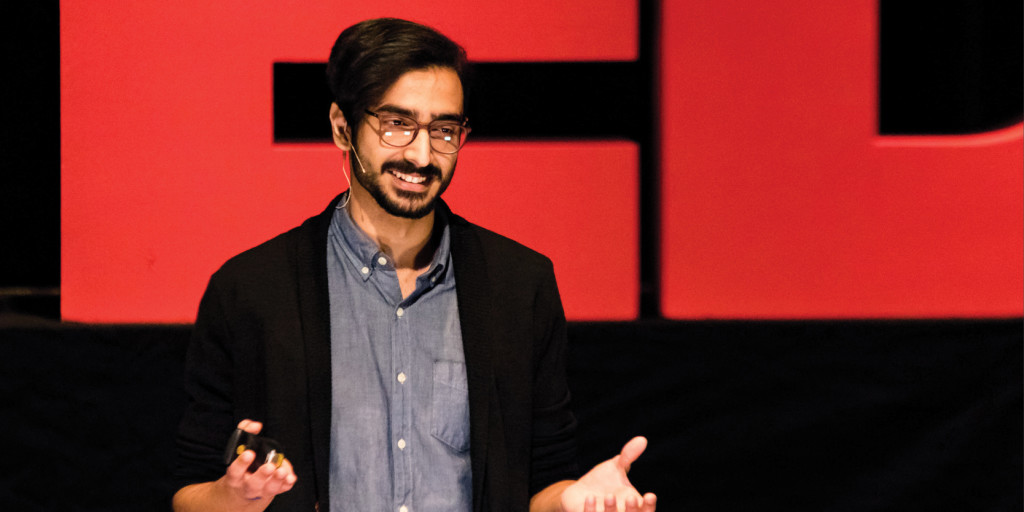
pixel 365 270
pixel 403 508
pixel 382 260
pixel 400 312
pixel 401 444
pixel 401 378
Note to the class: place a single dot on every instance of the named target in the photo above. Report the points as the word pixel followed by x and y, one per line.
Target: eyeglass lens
pixel 445 136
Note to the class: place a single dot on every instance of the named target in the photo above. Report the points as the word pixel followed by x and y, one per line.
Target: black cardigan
pixel 261 350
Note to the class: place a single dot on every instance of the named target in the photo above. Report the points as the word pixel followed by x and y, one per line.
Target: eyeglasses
pixel 396 130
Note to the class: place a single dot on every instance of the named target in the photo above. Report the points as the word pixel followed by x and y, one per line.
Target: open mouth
pixel 415 179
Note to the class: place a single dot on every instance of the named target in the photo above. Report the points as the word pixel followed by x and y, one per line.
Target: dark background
pixel 824 415
pixel 741 415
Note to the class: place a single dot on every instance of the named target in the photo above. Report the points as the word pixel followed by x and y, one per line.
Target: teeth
pixel 410 179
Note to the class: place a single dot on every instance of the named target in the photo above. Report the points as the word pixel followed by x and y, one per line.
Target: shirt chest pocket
pixel 449 413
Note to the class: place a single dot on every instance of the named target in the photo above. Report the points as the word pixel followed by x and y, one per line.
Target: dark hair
pixel 370 56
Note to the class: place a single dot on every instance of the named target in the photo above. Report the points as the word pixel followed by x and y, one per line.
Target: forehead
pixel 425 93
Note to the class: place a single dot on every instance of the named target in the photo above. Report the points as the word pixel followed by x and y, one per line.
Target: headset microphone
pixel 352 147
pixel 360 162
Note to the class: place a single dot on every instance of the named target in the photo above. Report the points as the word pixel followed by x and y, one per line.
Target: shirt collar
pixel 366 258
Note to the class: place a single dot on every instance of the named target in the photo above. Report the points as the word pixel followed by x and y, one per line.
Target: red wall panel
pixel 169 168
pixel 781 201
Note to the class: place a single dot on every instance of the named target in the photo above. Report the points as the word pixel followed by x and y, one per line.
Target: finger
pixel 590 504
pixel 631 451
pixel 256 483
pixel 237 470
pixel 250 426
pixel 286 465
pixel 609 503
pixel 633 503
pixel 289 482
pixel 650 502
pixel 280 481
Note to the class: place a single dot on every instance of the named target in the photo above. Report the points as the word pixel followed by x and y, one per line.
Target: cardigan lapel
pixel 472 290
pixel 314 305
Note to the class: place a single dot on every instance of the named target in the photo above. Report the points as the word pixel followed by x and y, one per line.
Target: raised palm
pixel 606 488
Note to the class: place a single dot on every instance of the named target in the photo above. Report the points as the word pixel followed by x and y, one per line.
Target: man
pixel 405 359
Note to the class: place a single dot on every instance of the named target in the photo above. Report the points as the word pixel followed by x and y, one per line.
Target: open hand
pixel 605 488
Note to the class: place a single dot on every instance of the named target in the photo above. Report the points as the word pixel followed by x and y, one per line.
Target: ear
pixel 339 128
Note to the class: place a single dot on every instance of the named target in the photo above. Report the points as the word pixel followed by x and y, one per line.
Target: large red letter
pixel 169 166
pixel 781 201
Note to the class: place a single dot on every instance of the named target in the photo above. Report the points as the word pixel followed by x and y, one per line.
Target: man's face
pixel 406 181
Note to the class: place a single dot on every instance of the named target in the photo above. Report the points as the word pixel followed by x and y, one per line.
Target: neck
pixel 408 242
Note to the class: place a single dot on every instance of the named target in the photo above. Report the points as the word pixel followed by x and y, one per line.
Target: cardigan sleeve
pixel 208 417
pixel 554 449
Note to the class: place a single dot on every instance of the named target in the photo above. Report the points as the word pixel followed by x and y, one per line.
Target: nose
pixel 418 151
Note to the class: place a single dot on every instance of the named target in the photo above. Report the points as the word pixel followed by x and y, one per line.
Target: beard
pixel 405 204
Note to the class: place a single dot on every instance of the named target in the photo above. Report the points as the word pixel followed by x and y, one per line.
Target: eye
pixel 444 130
pixel 397 122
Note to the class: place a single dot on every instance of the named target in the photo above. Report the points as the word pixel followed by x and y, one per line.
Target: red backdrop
pixel 169 167
pixel 778 198
pixel 781 201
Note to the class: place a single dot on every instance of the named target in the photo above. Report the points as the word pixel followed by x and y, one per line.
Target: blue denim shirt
pixel 400 411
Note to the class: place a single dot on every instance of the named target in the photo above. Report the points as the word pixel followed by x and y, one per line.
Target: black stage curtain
pixel 792 415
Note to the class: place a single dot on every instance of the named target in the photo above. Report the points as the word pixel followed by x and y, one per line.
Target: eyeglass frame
pixel 464 125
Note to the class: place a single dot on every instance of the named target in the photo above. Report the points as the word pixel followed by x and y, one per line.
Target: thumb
pixel 250 426
pixel 631 451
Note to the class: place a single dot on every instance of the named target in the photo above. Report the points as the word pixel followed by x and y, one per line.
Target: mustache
pixel 405 167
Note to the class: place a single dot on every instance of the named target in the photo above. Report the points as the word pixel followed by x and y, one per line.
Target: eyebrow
pixel 414 115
